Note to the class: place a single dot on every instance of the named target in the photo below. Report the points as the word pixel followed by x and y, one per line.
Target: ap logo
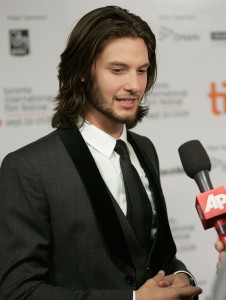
pixel 215 202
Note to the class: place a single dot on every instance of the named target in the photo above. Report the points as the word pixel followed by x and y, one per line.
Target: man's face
pixel 120 74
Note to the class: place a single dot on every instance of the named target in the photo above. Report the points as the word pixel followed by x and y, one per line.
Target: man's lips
pixel 127 102
pixel 126 99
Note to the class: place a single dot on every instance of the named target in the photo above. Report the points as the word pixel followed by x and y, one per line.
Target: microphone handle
pixel 203 181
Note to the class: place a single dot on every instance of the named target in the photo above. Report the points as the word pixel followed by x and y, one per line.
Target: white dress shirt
pixel 101 146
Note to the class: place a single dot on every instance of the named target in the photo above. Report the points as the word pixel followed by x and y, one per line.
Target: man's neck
pixel 114 130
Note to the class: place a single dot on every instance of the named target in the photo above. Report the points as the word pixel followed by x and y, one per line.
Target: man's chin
pixel 125 118
pixel 128 122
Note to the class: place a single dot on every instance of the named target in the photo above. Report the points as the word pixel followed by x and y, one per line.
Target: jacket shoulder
pixel 37 151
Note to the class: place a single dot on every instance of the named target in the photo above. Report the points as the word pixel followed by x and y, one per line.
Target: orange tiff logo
pixel 218 99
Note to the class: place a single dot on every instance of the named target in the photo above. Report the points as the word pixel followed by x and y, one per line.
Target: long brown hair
pixel 86 41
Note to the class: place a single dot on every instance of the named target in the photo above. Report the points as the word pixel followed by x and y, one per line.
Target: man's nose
pixel 133 83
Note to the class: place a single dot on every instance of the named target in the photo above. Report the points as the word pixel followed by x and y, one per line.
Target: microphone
pixel 211 203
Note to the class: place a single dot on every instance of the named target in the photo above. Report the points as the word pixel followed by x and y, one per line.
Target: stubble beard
pixel 95 100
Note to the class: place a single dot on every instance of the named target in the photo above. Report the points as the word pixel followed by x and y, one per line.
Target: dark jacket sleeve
pixel 27 241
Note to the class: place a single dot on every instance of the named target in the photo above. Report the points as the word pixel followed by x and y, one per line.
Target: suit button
pixel 130 280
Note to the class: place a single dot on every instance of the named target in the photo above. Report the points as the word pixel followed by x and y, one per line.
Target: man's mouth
pixel 128 100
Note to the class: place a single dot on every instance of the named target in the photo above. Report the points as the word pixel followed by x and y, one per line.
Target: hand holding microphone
pixel 222 255
pixel 211 203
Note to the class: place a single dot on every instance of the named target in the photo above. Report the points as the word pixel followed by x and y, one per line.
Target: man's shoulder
pixel 47 140
pixel 41 148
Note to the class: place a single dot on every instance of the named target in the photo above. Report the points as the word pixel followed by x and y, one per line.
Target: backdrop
pixel 188 100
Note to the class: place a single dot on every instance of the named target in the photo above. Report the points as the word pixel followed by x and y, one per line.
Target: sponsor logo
pixel 19 42
pixel 218 35
pixel 171 171
pixel 218 99
pixel 215 202
pixel 167 33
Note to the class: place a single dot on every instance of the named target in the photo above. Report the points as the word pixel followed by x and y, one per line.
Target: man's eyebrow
pixel 121 64
pixel 116 63
pixel 145 65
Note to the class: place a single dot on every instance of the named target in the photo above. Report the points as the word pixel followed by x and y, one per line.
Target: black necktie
pixel 139 211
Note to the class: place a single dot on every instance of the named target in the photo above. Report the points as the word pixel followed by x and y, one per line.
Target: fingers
pixel 151 290
pixel 163 283
pixel 167 280
pixel 159 280
pixel 186 292
pixel 219 246
pixel 179 279
pixel 222 254
pixel 221 258
pixel 159 276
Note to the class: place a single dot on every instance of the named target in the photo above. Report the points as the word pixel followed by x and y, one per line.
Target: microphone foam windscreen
pixel 194 158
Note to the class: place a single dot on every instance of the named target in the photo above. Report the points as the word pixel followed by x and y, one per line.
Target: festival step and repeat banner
pixel 188 101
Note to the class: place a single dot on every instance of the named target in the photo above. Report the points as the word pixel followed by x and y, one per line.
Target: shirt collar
pixel 100 140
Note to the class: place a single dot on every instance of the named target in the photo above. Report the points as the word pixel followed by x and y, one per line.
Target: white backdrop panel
pixel 191 39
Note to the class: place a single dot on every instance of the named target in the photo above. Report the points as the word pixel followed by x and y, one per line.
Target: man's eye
pixel 142 71
pixel 117 71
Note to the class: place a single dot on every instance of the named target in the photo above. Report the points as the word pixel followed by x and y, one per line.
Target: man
pixel 64 230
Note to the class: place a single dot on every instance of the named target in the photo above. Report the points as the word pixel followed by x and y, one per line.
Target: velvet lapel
pixel 145 162
pixel 97 191
pixel 164 248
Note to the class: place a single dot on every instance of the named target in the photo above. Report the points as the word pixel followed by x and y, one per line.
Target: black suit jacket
pixel 62 233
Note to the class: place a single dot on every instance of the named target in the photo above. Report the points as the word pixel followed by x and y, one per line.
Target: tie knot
pixel 121 149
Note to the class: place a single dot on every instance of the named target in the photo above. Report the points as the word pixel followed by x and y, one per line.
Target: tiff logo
pixel 218 99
